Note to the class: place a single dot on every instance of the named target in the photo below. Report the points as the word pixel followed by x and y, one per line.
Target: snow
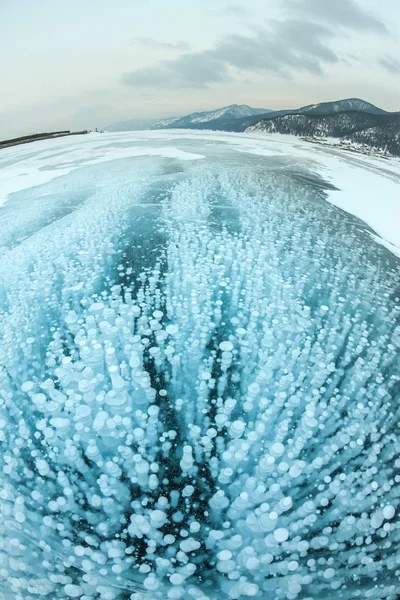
pixel 234 110
pixel 167 122
pixel 360 180
pixel 210 116
pixel 391 247
pixel 199 372
pixel 90 149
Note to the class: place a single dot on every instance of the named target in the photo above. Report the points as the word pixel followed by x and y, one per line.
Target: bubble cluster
pixel 220 424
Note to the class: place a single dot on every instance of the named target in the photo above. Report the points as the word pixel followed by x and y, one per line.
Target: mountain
pixel 340 105
pixel 384 136
pixel 220 119
pixel 334 124
pixel 324 108
pixel 312 109
pixel 375 129
pixel 351 118
pixel 239 118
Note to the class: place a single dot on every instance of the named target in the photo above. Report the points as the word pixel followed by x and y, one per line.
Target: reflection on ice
pixel 199 392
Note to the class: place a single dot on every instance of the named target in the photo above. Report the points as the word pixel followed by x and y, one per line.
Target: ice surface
pixel 361 181
pixel 25 169
pixel 200 379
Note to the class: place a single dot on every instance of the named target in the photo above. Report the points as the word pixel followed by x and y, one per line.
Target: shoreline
pixel 26 139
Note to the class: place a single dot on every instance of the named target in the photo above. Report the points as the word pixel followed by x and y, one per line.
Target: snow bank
pixel 368 187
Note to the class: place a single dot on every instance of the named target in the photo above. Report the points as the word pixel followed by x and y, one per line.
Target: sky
pixel 73 64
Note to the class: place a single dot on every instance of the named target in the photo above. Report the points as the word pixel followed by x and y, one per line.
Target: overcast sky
pixel 89 63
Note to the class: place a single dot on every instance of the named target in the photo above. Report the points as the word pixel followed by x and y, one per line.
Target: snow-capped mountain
pixel 201 119
pixel 339 118
pixel 323 108
pixel 221 118
pixel 240 117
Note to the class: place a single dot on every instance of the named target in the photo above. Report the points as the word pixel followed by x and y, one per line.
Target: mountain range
pixel 352 118
pixel 376 128
pixel 221 119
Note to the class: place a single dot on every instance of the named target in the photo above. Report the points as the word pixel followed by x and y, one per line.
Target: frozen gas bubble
pixel 71 317
pixel 158 518
pixel 185 431
pixel 224 555
pixel 169 539
pixel 237 428
pixel 27 386
pixel 293 565
pixel 188 491
pixel 151 582
pixel 329 573
pixel 377 520
pixel 226 346
pixel 254 389
pixel 303 546
pixel 20 517
pixel 73 591
pixel 281 535
pixel 189 545
pixel 172 329
pixel 286 503
pixel 176 579
pixel 252 563
pixel 250 589
pixel 389 511
pixel 195 526
pixel 277 449
pixel 60 423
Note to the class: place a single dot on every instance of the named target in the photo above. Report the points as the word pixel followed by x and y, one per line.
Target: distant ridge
pixel 237 117
pixel 379 129
pixel 351 118
pixel 334 107
pixel 220 119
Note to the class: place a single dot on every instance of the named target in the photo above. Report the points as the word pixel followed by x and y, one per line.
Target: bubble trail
pixel 220 424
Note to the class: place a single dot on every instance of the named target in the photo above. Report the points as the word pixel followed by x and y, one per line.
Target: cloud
pixel 157 45
pixel 390 64
pixel 194 69
pixel 299 43
pixel 292 44
pixel 235 10
pixel 288 45
pixel 348 14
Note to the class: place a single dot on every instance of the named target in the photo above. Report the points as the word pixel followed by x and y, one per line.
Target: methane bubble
pixel 199 393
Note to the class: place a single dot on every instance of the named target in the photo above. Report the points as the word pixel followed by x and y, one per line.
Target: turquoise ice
pixel 199 385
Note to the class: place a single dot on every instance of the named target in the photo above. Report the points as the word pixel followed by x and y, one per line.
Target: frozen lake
pixel 200 376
